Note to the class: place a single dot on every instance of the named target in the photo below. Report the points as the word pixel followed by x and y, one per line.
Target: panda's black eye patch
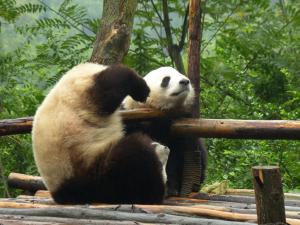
pixel 165 81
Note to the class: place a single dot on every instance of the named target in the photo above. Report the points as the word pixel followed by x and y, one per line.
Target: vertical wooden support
pixel 194 51
pixel 268 194
pixel 192 155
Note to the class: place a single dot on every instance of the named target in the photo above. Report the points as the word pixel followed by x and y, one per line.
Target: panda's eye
pixel 165 81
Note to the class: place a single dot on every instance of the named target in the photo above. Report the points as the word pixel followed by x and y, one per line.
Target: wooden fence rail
pixel 212 128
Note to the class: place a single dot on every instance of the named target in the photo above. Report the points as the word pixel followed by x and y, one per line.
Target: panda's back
pixel 66 135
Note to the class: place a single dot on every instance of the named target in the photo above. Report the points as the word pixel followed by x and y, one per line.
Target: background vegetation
pixel 249 70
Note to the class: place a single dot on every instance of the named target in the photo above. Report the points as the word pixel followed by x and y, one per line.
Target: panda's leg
pixel 130 172
pixel 77 190
pixel 112 85
pixel 134 172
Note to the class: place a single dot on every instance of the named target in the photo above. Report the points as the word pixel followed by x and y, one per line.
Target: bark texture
pixel 113 38
pixel 268 195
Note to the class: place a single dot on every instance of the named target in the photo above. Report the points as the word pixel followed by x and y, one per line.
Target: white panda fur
pixel 71 132
pixel 165 98
pixel 176 99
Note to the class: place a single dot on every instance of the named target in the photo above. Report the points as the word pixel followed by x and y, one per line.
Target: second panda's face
pixel 169 89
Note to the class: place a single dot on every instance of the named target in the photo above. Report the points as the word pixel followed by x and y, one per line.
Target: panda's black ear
pixel 165 81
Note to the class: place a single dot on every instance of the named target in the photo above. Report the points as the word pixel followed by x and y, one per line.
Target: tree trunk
pixel 113 37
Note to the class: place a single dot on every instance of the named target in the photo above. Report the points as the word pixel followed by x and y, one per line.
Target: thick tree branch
pixel 114 34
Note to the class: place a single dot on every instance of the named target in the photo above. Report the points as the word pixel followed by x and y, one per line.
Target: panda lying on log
pixel 80 147
pixel 171 92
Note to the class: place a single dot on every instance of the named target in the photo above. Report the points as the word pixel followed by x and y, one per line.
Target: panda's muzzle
pixel 184 82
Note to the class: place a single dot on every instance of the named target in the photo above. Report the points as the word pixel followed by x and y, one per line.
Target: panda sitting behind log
pixel 80 147
pixel 171 92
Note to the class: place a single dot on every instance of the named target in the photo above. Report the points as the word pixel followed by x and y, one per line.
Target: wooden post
pixel 191 174
pixel 268 195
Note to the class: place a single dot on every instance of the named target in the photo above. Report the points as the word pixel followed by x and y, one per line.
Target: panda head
pixel 169 90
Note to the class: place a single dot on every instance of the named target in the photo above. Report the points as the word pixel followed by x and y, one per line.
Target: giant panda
pixel 171 92
pixel 80 147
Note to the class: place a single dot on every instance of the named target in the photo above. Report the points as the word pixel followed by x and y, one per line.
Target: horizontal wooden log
pixel 42 220
pixel 213 128
pixel 250 192
pixel 239 129
pixel 203 211
pixel 16 126
pixel 26 182
pixel 239 199
pixel 94 214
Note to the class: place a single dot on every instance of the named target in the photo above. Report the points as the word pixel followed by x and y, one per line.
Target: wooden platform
pixel 237 209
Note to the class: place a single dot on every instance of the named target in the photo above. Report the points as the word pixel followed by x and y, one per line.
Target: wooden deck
pixel 237 209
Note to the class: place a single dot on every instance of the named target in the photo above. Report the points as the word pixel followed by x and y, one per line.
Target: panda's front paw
pixel 139 90
pixel 162 152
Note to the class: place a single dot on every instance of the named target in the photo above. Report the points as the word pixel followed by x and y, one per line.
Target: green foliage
pixel 249 70
pixel 50 42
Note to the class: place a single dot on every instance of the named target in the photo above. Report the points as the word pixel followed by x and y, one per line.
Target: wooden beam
pixel 239 129
pixel 212 128
pixel 268 195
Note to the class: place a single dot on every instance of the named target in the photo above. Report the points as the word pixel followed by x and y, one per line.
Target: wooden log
pixel 42 220
pixel 213 128
pixel 293 212
pixel 42 193
pixel 250 192
pixel 16 126
pixel 239 199
pixel 268 194
pixel 84 213
pixel 217 212
pixel 241 129
pixel 26 182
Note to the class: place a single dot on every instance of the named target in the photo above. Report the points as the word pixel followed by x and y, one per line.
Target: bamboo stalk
pixel 213 128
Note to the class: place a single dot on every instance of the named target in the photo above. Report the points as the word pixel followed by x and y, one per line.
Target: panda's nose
pixel 184 82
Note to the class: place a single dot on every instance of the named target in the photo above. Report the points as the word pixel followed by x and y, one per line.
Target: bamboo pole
pixel 213 128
